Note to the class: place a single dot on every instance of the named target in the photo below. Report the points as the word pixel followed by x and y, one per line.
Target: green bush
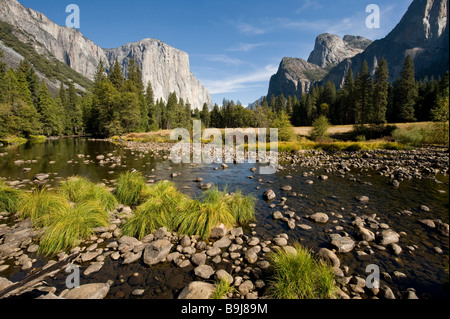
pixel 300 276
pixel 320 128
pixel 413 135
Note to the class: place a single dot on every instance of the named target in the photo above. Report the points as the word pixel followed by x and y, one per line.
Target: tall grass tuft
pixel 66 231
pixel 79 190
pixel 130 189
pixel 199 217
pixel 300 276
pixel 9 198
pixel 223 287
pixel 42 206
pixel 163 204
pixel 242 207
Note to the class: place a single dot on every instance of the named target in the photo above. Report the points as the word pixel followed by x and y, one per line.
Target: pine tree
pixel 407 92
pixel 363 92
pixel 205 116
pixel 2 75
pixel 48 112
pixel 116 76
pixel 380 94
pixel 349 98
pixel 74 117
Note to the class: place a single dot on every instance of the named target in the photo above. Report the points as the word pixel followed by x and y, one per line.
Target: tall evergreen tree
pixel 48 112
pixel 407 92
pixel 204 115
pixel 363 92
pixel 116 76
pixel 380 93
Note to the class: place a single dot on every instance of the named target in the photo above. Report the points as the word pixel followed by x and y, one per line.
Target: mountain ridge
pixel 71 47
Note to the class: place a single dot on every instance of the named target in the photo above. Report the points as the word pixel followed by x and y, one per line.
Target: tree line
pixel 118 104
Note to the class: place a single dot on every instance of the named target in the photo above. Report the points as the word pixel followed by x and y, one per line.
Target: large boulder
pixel 197 290
pixel 157 251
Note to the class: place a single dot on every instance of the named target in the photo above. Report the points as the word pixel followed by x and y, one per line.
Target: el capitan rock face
pixel 166 67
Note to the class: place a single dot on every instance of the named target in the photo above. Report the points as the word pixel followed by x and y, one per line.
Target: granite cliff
pixel 166 67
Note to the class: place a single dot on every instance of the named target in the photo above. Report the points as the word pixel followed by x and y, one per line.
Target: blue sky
pixel 234 45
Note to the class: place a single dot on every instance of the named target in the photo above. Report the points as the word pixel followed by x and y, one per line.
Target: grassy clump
pixel 215 207
pixel 242 207
pixel 300 276
pixel 130 189
pixel 42 206
pixel 66 231
pixel 163 204
pixel 223 287
pixel 9 198
pixel 80 190
pixel 167 207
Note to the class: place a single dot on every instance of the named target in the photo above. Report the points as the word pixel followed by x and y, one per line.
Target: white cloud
pixel 246 47
pixel 222 58
pixel 246 28
pixel 308 5
pixel 241 82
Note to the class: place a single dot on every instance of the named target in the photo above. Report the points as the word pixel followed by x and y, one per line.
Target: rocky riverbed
pixel 331 203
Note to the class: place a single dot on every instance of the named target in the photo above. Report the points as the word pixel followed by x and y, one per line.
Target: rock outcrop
pixel 330 49
pixel 422 33
pixel 164 66
pixel 296 76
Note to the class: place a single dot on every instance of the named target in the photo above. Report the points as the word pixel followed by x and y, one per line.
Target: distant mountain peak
pixel 330 49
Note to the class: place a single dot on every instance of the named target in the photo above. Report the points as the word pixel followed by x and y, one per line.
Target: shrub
pixel 130 188
pixel 413 135
pixel 320 128
pixel 300 276
pixel 66 231
pixel 42 206
pixel 9 198
pixel 284 126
